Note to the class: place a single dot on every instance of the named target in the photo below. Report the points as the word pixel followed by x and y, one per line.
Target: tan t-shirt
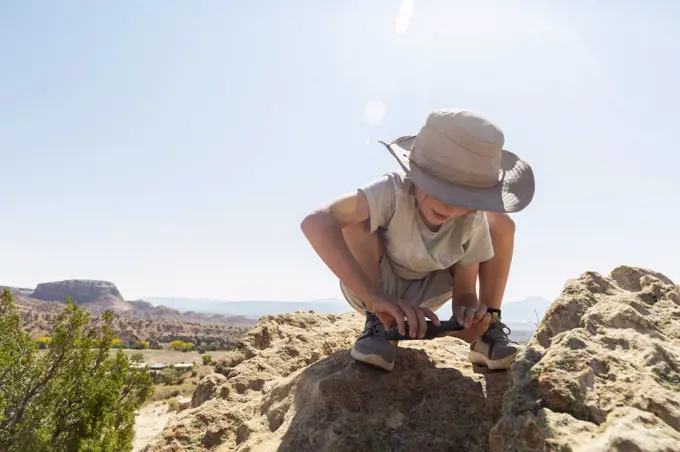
pixel 413 249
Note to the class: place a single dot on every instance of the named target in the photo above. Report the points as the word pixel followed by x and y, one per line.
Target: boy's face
pixel 434 212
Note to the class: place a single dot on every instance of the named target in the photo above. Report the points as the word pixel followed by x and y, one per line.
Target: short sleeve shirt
pixel 413 249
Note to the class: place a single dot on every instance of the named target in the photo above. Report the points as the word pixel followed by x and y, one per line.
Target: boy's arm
pixel 323 228
pixel 466 308
pixel 372 205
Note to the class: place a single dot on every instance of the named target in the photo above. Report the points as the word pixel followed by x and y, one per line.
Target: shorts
pixel 432 291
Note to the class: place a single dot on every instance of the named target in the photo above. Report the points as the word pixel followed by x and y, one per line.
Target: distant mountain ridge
pixel 250 308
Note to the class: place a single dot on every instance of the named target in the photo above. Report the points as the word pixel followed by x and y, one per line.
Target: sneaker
pixel 372 347
pixel 494 349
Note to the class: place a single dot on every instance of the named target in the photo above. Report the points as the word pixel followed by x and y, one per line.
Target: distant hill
pixel 253 309
pixel 523 310
pixel 97 296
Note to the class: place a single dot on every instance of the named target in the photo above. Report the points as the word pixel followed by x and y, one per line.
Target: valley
pixel 137 324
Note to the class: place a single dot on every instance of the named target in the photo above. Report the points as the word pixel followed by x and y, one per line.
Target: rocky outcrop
pixel 207 389
pixel 183 403
pixel 291 385
pixel 98 295
pixel 602 373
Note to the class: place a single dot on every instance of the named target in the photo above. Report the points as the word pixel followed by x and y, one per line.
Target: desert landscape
pixel 135 321
pixel 601 372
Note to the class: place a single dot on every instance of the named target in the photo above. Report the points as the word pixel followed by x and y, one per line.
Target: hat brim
pixel 513 192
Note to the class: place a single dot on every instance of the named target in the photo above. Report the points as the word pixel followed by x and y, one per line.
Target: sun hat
pixel 458 158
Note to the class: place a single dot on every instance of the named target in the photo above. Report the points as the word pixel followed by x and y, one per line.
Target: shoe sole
pixel 498 364
pixel 372 360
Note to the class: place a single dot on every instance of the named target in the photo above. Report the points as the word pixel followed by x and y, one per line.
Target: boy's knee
pixel 500 224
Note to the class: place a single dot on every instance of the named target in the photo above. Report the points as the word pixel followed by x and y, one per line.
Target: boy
pixel 405 244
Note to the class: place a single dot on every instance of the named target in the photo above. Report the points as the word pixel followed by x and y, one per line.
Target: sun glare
pixel 405 12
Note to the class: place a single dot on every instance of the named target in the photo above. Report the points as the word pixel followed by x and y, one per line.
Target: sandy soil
pixel 150 421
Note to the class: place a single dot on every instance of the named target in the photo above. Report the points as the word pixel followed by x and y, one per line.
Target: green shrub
pixel 44 342
pixel 72 397
pixel 182 346
pixel 173 404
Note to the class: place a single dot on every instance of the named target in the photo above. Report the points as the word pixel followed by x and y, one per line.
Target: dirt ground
pixel 155 414
pixel 150 421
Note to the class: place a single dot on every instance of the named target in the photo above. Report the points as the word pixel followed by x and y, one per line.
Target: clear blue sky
pixel 173 147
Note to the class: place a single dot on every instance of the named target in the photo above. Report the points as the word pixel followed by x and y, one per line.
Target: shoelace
pixel 499 332
pixel 373 325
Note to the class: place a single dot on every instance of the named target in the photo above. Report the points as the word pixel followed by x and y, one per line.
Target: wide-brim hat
pixel 457 157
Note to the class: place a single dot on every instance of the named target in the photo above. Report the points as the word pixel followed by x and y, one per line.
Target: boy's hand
pixel 392 310
pixel 468 311
pixel 474 332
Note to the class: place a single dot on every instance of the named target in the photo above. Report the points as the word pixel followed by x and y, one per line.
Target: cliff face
pixel 602 373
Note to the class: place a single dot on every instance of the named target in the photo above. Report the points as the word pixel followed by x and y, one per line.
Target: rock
pixel 207 389
pixel 184 403
pixel 602 372
pixel 291 386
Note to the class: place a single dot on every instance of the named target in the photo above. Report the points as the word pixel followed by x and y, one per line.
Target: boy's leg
pixel 495 349
pixel 494 273
pixel 371 347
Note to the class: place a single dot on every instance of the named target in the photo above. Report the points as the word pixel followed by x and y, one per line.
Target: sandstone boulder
pixel 602 372
pixel 292 386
